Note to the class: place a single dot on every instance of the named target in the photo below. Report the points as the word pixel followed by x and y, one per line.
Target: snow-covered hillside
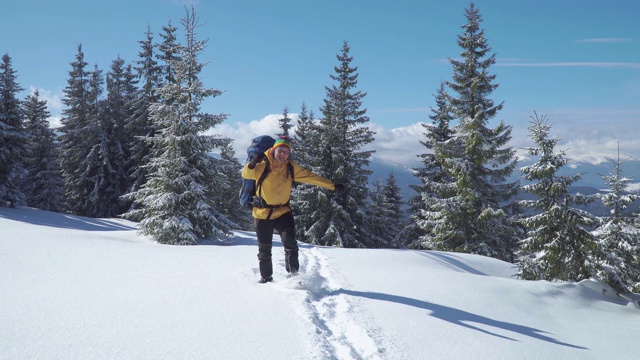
pixel 80 288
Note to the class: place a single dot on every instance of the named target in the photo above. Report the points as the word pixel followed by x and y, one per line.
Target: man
pixel 271 208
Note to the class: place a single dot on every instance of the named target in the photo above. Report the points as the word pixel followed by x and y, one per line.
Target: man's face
pixel 282 153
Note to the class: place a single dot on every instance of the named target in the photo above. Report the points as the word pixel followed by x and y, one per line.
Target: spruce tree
pixel 227 192
pixel 106 162
pixel 377 216
pixel 13 138
pixel 479 219
pixel 618 239
pixel 139 124
pixel 303 139
pixel 559 246
pixel 436 185
pixel 384 215
pixel 338 218
pixel 75 139
pixel 285 122
pixel 44 188
pixel 177 201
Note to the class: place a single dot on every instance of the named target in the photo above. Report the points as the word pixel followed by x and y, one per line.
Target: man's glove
pixel 339 188
pixel 256 159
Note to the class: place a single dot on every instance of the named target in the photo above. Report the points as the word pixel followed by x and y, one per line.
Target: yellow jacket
pixel 276 187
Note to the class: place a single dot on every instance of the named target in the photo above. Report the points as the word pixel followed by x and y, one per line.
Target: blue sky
pixel 575 61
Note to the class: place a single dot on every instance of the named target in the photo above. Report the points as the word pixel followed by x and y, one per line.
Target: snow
pixel 81 288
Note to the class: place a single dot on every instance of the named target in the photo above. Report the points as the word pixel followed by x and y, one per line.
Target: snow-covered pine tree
pixel 377 216
pixel 168 53
pixel 618 239
pixel 477 157
pixel 559 246
pixel 13 138
pixel 436 186
pixel 75 139
pixel 139 125
pixel 44 188
pixel 305 138
pixel 226 192
pixel 88 169
pixel 177 202
pixel 285 122
pixel 106 163
pixel 384 215
pixel 397 217
pixel 338 218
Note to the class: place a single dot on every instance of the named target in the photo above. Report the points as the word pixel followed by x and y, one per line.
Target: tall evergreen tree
pixel 618 252
pixel 13 137
pixel 44 187
pixel 90 177
pixel 436 185
pixel 139 124
pixel 168 53
pixel 480 218
pixel 285 122
pixel 384 215
pixel 177 202
pixel 558 246
pixel 226 192
pixel 75 139
pixel 106 162
pixel 338 219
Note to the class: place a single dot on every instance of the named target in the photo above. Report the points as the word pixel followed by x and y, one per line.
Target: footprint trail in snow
pixel 343 330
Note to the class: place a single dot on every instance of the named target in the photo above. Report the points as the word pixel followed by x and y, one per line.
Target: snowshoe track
pixel 336 318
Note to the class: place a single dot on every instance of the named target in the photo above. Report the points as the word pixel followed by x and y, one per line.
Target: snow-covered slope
pixel 79 288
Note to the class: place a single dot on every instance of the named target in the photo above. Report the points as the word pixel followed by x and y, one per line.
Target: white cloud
pixel 586 135
pixel 242 133
pixel 398 145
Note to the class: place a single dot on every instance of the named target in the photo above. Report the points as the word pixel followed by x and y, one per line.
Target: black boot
pixel 291 261
pixel 266 280
pixel 264 260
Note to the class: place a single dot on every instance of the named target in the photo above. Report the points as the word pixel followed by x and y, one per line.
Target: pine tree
pixel 177 202
pixel 226 193
pixel 75 139
pixel 13 138
pixel 618 239
pixel 44 188
pixel 384 214
pixel 377 216
pixel 395 204
pixel 90 176
pixel 558 246
pixel 168 54
pixel 105 164
pixel 139 125
pixel 436 185
pixel 338 218
pixel 285 122
pixel 478 217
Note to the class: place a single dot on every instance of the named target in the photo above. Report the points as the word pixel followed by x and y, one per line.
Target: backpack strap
pixel 267 168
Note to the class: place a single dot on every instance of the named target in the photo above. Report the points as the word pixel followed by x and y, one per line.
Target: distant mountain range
pixel 590 184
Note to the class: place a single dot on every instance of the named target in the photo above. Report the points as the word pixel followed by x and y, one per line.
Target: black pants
pixel 285 227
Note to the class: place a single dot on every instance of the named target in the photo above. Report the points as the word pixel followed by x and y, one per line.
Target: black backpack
pixel 258 145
